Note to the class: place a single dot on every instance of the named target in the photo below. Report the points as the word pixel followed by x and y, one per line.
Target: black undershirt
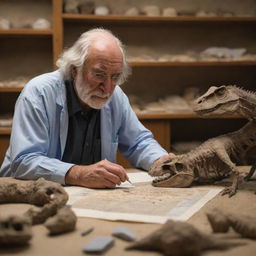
pixel 83 145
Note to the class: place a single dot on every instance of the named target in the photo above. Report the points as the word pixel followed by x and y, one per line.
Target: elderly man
pixel 69 123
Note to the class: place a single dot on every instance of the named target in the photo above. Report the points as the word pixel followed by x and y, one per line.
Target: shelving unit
pixel 150 79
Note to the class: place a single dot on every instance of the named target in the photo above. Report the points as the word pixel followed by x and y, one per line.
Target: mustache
pixel 101 94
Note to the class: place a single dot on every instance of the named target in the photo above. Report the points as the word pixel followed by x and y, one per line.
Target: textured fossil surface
pixel 15 230
pixel 64 221
pixel 215 158
pixel 47 198
pixel 177 238
pixel 245 225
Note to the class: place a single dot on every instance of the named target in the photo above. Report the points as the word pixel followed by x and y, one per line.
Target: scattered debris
pixel 87 231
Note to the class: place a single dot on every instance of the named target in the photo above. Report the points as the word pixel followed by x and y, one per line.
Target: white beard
pixel 87 97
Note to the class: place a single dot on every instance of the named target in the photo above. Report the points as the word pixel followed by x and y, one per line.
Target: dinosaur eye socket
pixel 179 166
pixel 220 92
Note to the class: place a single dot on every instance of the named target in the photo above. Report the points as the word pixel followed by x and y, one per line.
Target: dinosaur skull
pixel 217 101
pixel 15 229
pixel 171 173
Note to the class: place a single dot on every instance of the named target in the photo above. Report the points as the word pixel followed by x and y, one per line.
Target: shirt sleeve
pixel 136 142
pixel 30 142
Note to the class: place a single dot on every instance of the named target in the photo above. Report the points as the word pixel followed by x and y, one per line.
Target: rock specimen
pixel 169 12
pixel 223 52
pixel 5 24
pixel 177 238
pixel 215 158
pixel 245 225
pixel 63 221
pixel 151 10
pixel 41 24
pixel 133 11
pixel 102 10
pixel 124 233
pixel 71 6
pixel 86 6
pixel 15 230
pixel 99 245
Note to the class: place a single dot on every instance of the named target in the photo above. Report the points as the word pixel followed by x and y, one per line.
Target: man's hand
pixel 164 158
pixel 103 174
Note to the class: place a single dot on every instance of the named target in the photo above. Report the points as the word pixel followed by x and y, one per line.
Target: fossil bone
pixel 64 221
pixel 49 196
pixel 178 238
pixel 211 160
pixel 15 229
pixel 245 225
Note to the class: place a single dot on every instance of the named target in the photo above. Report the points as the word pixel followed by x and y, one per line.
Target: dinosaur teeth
pixel 162 177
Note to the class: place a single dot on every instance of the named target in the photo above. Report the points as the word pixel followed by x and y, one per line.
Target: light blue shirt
pixel 40 126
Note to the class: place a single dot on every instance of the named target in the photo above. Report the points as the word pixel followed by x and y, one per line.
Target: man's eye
pixel 115 77
pixel 99 75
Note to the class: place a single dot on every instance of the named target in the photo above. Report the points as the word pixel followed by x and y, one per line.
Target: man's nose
pixel 108 85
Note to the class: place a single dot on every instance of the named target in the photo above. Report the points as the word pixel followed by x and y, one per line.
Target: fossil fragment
pixel 133 11
pixel 63 221
pixel 215 158
pixel 47 194
pixel 15 229
pixel 245 225
pixel 177 238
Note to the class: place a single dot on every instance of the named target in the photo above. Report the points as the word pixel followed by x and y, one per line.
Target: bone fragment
pixel 181 239
pixel 64 221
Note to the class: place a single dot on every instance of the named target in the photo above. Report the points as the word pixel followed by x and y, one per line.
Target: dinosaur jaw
pixel 179 180
pixel 220 109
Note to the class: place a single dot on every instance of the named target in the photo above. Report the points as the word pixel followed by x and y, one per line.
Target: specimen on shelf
pixel 215 158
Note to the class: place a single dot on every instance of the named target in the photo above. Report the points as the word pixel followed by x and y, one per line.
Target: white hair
pixel 76 55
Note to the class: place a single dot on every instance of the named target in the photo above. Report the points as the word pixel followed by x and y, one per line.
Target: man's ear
pixel 74 72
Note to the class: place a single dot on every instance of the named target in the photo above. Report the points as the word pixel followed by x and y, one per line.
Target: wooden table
pixel 71 244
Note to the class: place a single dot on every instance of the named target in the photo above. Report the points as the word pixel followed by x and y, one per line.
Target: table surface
pixel 243 202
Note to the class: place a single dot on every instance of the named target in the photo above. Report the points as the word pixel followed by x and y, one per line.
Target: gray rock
pixel 124 233
pixel 99 244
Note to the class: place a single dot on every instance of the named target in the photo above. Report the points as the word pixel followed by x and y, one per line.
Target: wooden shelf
pixel 122 18
pixel 145 116
pixel 27 32
pixel 5 130
pixel 189 63
pixel 11 89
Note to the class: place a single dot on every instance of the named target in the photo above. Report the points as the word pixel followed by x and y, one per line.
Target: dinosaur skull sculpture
pixel 217 101
pixel 171 173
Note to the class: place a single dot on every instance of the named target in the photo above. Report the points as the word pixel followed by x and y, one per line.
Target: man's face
pixel 95 83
